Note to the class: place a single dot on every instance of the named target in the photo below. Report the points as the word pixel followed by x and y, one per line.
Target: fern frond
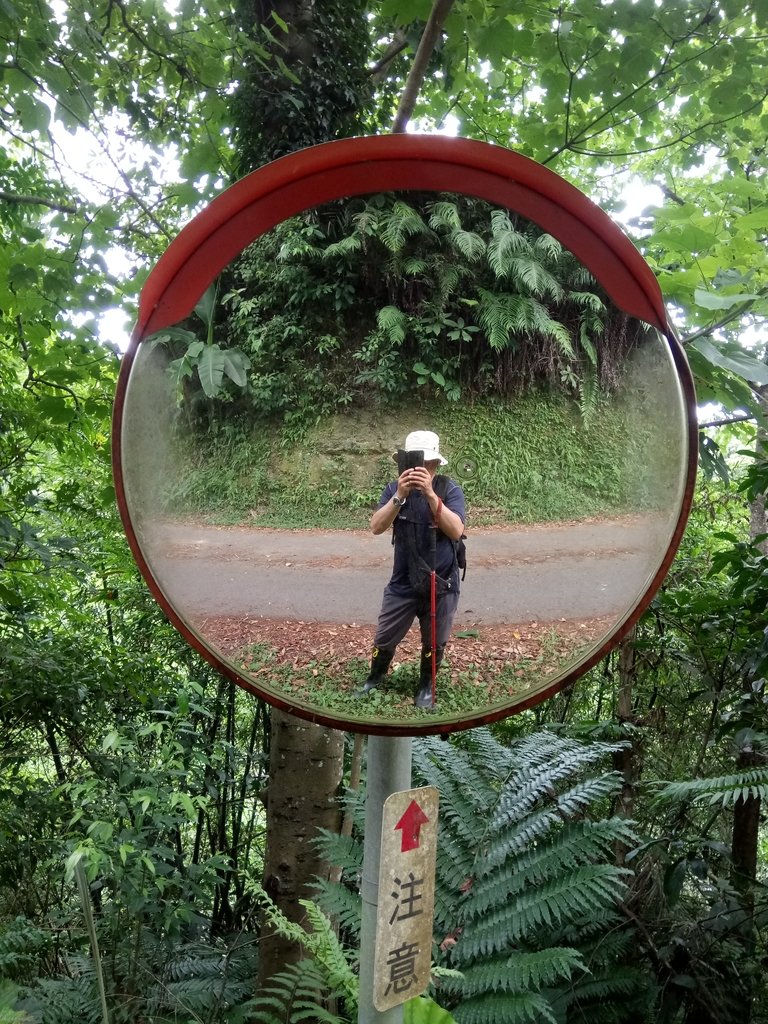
pixel 198 977
pixel 522 971
pixel 294 996
pixel 618 981
pixel 329 954
pixel 414 265
pixel 505 243
pixel 609 946
pixel 476 769
pixel 491 757
pixel 589 394
pixel 586 300
pixel 399 224
pixel 585 340
pixel 454 873
pixel 393 322
pixel 585 932
pixel 522 890
pixel 589 791
pixel 516 838
pixel 524 790
pixel 349 246
pixel 65 1001
pixel 579 276
pixel 345 852
pixel 444 214
pixel 458 798
pixel 469 244
pixel 552 759
pixel 725 790
pixel 525 1008
pixel 297 247
pixel 581 844
pixel 579 893
pixel 320 941
pixel 340 904
pixel 501 313
pixel 548 246
pixel 536 278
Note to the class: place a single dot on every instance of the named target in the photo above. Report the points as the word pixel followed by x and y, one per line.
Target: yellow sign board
pixel 403 957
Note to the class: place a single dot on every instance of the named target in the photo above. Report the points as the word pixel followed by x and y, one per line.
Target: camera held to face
pixel 408 460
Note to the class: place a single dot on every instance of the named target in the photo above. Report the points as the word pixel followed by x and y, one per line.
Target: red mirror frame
pixel 351 167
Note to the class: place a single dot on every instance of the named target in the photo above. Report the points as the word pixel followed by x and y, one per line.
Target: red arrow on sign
pixel 410 824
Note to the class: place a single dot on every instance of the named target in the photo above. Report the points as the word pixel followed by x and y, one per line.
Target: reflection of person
pixel 427 516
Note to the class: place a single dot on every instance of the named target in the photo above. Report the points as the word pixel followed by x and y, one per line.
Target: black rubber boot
pixel 423 698
pixel 380 662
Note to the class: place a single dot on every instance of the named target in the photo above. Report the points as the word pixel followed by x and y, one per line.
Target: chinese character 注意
pixel 406 902
pixel 402 967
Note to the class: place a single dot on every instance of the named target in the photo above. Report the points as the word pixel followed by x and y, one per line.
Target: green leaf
pixel 55 409
pixel 712 461
pixel 732 358
pixel 110 740
pixel 71 864
pixel 235 365
pixel 33 115
pixel 184 800
pixel 716 300
pixel 673 880
pixel 210 368
pixel 206 305
pixel 423 1010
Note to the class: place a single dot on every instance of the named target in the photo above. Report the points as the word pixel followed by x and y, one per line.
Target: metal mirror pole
pixel 388 771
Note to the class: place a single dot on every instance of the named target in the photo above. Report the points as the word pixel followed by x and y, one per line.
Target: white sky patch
pixel 115 327
pixel 637 196
pixel 423 126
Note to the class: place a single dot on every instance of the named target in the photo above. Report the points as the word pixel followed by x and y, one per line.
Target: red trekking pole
pixel 433 598
pixel 433 615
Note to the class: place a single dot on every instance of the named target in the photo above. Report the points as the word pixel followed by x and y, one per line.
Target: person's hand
pixel 404 483
pixel 421 480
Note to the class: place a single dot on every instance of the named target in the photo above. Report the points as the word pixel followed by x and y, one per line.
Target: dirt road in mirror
pixel 545 572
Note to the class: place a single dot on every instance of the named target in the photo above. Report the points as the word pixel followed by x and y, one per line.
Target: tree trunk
pixel 315 88
pixel 758 523
pixel 429 38
pixel 305 772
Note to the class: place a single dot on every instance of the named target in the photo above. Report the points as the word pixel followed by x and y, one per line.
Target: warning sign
pixel 406 897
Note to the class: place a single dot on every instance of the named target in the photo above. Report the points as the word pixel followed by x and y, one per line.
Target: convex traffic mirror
pixel 310 318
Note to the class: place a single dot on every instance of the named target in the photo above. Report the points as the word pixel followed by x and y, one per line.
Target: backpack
pixel 440 487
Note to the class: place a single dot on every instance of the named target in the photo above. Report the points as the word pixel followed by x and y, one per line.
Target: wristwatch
pixel 398 501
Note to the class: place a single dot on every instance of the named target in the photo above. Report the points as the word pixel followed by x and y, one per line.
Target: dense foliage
pixel 381 299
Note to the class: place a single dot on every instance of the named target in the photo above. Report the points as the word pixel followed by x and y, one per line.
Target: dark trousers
pixel 399 609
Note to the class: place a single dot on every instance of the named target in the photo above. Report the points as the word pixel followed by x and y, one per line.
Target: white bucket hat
pixel 428 442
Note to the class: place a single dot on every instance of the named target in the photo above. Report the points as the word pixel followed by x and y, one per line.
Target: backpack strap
pixel 440 486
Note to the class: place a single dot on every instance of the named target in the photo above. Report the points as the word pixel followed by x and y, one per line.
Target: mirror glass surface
pixel 258 435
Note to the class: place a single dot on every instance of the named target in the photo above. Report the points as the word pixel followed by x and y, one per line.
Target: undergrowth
pixel 331 684
pixel 532 461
